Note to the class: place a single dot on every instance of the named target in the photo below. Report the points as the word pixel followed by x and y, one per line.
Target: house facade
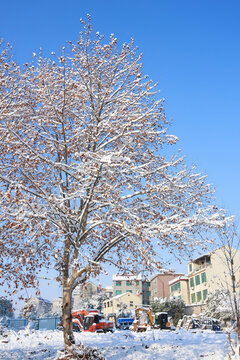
pixel 208 273
pixel 36 307
pixel 133 284
pixel 57 306
pixel 159 287
pixel 121 302
pixel 179 288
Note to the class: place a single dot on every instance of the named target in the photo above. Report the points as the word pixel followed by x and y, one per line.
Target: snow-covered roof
pixel 178 278
pixel 119 296
pixel 39 298
pixel 199 257
pixel 109 288
pixel 166 274
pixel 118 277
pixel 207 254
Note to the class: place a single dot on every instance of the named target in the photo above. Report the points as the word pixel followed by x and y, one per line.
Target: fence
pixel 39 324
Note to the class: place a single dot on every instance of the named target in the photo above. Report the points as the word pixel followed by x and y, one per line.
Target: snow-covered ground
pixel 153 344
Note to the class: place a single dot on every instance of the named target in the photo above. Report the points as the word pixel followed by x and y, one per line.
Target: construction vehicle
pixel 124 323
pixel 161 321
pixel 90 320
pixel 121 323
pixel 78 319
pixel 112 317
pixel 144 319
pixel 95 322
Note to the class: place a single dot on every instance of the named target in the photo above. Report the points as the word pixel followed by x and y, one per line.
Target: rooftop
pixel 126 277
pixel 178 278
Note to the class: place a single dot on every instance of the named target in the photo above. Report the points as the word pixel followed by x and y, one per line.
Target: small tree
pixel 85 176
pixel 6 308
pixel 173 306
pixel 95 302
pixel 219 305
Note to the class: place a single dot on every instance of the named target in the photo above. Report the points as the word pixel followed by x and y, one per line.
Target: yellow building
pixel 208 273
pixel 179 288
pixel 120 302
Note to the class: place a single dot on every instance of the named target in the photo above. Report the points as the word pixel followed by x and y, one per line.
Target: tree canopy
pixel 86 174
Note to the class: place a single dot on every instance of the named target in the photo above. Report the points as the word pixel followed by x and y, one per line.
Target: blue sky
pixel 191 48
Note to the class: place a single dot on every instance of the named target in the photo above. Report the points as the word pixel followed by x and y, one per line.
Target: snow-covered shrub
pixel 219 305
pixel 81 352
pixel 173 306
pixel 6 308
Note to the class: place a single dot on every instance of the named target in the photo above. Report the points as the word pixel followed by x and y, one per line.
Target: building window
pixel 105 305
pixel 176 287
pixel 193 298
pixel 199 296
pixel 129 291
pixel 128 283
pixel 190 267
pixel 148 293
pixel 111 303
pixel 192 282
pixel 203 277
pixel 204 294
pixel 118 283
pixel 197 279
pixel 148 284
pixel 118 292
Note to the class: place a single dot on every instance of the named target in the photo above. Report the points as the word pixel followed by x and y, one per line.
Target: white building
pixel 57 307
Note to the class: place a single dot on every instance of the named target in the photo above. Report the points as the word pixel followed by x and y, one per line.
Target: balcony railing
pixel 197 268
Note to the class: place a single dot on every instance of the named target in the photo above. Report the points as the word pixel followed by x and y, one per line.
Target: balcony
pixel 200 264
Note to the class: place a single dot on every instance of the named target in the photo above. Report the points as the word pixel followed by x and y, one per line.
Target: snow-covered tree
pixel 173 306
pixel 95 302
pixel 219 305
pixel 85 178
pixel 6 308
pixel 36 307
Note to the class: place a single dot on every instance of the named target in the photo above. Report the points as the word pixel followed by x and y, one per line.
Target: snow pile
pixel 153 344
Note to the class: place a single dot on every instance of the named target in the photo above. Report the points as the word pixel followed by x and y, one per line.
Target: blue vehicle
pixel 124 323
pixel 211 324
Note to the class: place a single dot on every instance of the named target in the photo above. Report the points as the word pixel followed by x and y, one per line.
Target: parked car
pixel 211 324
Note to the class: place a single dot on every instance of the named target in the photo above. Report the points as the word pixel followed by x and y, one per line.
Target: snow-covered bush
pixel 6 308
pixel 219 305
pixel 173 306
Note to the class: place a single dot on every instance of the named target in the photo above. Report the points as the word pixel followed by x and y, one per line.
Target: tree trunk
pixel 67 318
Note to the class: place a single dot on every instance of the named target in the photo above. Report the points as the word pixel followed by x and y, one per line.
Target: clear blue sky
pixel 191 47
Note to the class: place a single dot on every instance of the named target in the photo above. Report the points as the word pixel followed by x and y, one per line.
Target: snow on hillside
pixel 127 345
